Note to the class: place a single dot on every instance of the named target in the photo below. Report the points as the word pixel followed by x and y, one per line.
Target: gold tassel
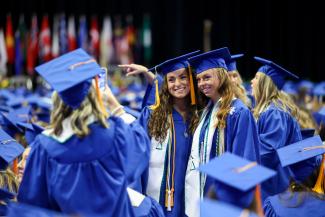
pixel 259 207
pixel 319 186
pixel 157 100
pixel 169 199
pixel 99 96
pixel 192 90
pixel 15 166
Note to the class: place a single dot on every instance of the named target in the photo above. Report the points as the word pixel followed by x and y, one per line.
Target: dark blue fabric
pixel 277 129
pixel 281 206
pixel 86 176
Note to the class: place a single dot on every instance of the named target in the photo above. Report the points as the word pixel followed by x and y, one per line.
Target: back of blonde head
pixel 267 93
pixel 79 117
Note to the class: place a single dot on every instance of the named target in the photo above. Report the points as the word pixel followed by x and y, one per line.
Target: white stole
pixel 192 178
pixel 156 167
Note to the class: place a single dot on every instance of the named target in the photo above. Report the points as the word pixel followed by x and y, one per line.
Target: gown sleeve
pixel 242 135
pixel 33 188
pixel 137 147
pixel 276 129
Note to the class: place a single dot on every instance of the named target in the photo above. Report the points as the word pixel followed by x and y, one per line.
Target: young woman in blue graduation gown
pixel 305 195
pixel 169 125
pixel 277 124
pixel 84 161
pixel 226 124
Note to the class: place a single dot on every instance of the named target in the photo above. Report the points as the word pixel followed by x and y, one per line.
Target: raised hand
pixel 135 69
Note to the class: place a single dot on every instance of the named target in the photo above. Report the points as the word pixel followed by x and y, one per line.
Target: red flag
pixel 32 47
pixel 94 38
pixel 72 41
pixel 10 41
pixel 45 40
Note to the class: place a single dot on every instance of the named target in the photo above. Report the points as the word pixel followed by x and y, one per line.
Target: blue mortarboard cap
pixel 275 72
pixel 26 210
pixel 301 150
pixel 319 89
pixel 209 208
pixel 70 75
pixel 290 88
pixel 13 117
pixel 174 64
pixel 6 94
pixel 212 59
pixel 306 84
pixel 302 157
pixel 236 172
pixel 231 65
pixel 9 149
pixel 6 195
pixel 319 116
pixel 30 132
pixel 44 116
pixel 4 108
pixel 16 102
pixel 306 133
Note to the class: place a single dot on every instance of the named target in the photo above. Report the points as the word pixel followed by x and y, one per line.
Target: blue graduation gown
pixel 276 129
pixel 281 206
pixel 241 138
pixel 86 176
pixel 183 147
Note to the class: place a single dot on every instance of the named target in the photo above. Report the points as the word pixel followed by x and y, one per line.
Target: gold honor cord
pixel 169 195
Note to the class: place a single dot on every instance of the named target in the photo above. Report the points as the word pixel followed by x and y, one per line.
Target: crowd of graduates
pixel 197 141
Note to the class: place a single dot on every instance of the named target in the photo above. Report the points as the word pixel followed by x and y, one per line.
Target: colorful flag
pixel 147 40
pixel 106 42
pixel 55 37
pixel 18 54
pixel 32 46
pixel 94 38
pixel 10 41
pixel 131 37
pixel 23 37
pixel 72 41
pixel 83 33
pixel 63 38
pixel 3 54
pixel 121 43
pixel 45 40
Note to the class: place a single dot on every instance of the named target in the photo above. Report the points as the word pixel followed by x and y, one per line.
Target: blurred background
pixel 287 32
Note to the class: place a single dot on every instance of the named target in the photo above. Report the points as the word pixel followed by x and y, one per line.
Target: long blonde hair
pixel 227 91
pixel 158 123
pixel 266 92
pixel 79 117
pixel 9 180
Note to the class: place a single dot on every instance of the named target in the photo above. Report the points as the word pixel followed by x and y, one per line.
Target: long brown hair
pixel 90 106
pixel 158 123
pixel 266 93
